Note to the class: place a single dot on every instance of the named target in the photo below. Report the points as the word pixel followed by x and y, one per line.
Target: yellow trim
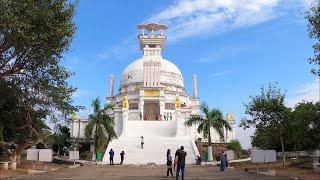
pixel 125 102
pixel 230 116
pixel 178 104
pixel 151 93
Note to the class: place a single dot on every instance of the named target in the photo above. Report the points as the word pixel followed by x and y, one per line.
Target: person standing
pixel 142 142
pixel 181 162
pixel 111 155
pixel 140 115
pixel 198 160
pixel 122 156
pixel 169 163
pixel 222 161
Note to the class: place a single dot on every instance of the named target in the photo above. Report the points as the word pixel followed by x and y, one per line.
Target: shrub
pixel 234 145
pixel 83 155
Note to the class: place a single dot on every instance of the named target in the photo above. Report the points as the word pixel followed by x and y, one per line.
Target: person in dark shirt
pixel 198 160
pixel 142 142
pixel 181 162
pixel 122 156
pixel 111 154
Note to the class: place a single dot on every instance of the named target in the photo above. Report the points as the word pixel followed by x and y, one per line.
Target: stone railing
pixel 295 153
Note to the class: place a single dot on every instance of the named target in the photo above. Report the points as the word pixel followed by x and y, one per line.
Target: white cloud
pixel 195 17
pixel 223 52
pixel 80 93
pixel 121 51
pixel 219 74
pixel 307 92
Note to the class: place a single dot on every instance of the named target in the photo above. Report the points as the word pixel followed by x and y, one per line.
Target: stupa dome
pixel 169 73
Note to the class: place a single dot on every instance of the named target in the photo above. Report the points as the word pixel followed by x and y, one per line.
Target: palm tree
pixel 211 119
pixel 101 125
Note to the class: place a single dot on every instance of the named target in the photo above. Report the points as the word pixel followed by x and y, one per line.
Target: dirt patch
pixel 287 171
pixel 105 172
pixel 25 165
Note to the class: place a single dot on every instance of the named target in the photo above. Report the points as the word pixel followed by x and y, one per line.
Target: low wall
pixel 295 153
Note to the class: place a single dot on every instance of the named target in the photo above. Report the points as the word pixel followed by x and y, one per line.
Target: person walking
pixel 181 162
pixel 222 161
pixel 111 155
pixel 142 142
pixel 169 163
pixel 122 156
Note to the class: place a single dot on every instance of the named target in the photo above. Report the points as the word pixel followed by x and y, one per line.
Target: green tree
pixel 313 17
pixel 265 137
pixel 210 119
pixel 33 32
pixel 33 37
pixel 100 125
pixel 268 110
pixel 305 126
pixel 59 139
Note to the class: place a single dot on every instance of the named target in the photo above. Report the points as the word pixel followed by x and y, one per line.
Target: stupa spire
pixel 152 44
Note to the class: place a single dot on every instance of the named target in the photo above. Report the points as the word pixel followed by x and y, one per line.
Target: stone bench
pixel 5 165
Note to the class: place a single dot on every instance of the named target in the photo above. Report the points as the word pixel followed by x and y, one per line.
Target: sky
pixel 233 46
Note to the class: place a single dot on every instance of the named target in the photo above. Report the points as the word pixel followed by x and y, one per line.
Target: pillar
pixel 111 90
pixel 141 109
pixel 178 122
pixel 233 130
pixel 195 86
pixel 162 104
pixel 124 121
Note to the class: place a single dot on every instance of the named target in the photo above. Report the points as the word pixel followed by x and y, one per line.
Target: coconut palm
pixel 101 125
pixel 210 119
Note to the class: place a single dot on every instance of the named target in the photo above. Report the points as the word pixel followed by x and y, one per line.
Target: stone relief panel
pixel 169 106
pixel 151 111
pixel 133 106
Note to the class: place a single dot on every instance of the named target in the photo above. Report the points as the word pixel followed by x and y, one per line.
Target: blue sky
pixel 233 46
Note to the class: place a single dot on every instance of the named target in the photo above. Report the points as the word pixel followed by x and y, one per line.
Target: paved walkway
pixel 146 172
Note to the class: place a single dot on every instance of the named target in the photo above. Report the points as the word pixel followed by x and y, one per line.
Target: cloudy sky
pixel 234 46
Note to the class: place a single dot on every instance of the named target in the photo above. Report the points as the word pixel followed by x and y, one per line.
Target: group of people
pixel 111 155
pixel 178 164
pixel 167 116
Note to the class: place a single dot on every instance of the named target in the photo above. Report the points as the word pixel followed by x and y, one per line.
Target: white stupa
pixel 152 102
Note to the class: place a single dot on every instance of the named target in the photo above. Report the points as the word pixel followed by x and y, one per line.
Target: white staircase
pixel 158 137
